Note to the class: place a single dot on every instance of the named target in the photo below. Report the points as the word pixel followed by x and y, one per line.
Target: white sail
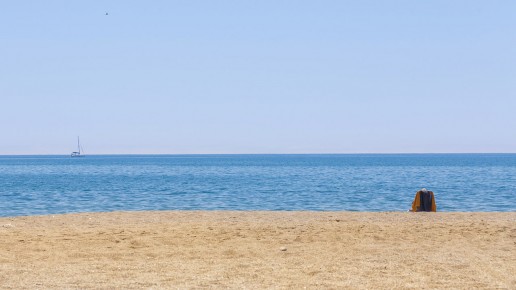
pixel 78 152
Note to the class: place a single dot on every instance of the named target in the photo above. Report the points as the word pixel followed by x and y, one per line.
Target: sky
pixel 188 77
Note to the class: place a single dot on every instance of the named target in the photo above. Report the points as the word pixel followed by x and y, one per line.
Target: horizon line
pixel 356 153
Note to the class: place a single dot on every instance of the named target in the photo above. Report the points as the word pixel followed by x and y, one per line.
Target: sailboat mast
pixel 78 145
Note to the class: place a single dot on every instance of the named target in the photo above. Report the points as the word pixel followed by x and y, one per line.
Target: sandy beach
pixel 229 249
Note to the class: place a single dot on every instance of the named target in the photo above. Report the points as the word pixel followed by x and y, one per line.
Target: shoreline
pixel 259 249
pixel 222 211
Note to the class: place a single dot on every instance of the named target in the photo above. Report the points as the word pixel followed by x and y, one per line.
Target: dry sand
pixel 198 249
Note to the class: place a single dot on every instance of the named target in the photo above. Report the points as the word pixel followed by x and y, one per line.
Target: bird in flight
pixel 107 13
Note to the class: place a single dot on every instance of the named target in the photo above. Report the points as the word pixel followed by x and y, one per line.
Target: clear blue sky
pixel 257 76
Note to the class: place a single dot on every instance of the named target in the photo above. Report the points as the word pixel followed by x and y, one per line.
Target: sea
pixel 42 185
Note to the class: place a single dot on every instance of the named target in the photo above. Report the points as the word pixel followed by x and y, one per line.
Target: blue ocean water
pixel 34 185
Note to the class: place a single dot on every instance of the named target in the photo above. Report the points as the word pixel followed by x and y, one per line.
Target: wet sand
pixel 227 249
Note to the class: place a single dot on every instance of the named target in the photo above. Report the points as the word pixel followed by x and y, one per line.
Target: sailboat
pixel 78 152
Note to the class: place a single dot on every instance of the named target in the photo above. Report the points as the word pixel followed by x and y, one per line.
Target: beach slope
pixel 232 249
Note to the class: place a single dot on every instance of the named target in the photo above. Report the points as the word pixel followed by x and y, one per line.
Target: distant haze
pixel 257 76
